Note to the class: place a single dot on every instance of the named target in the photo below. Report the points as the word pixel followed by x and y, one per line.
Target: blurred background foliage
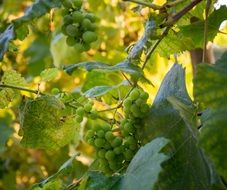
pixel 44 47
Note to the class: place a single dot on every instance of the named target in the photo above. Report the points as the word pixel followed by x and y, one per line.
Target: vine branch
pixel 147 4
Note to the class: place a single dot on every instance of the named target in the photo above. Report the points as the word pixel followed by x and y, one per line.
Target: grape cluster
pixel 109 147
pixel 78 25
pixel 135 106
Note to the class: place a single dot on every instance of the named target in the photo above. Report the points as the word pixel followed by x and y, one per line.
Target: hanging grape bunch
pixel 116 146
pixel 78 25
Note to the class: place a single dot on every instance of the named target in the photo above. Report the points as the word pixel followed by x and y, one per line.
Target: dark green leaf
pixel 143 171
pixel 5 37
pixel 210 90
pixel 186 168
pixel 195 30
pixel 97 181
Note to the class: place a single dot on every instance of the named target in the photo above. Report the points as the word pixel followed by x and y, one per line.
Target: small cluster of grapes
pixel 78 25
pixel 135 106
pixel 116 149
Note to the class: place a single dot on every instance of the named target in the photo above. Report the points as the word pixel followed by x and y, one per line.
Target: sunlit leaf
pixel 49 74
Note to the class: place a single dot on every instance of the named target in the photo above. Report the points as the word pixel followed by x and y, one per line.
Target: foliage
pixel 86 82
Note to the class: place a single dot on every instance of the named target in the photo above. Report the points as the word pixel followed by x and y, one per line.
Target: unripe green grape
pixel 134 94
pixel 90 134
pixel 101 153
pixel 101 133
pixel 109 136
pixel 67 19
pixel 89 37
pixel 100 142
pixel 109 155
pixel 64 12
pixel 71 30
pixel 118 150
pixel 123 122
pixel 67 4
pixel 86 47
pixel 135 110
pixel 139 101
pixel 93 114
pixel 128 127
pixel 77 3
pixel 79 47
pixel 55 91
pixel 128 155
pixel 87 107
pixel 107 146
pixel 144 108
pixel 80 111
pixel 133 146
pixel 106 128
pixel 77 16
pixel 113 165
pixel 79 119
pixel 86 24
pixel 70 41
pixel 97 128
pixel 103 162
pixel 131 141
pixel 91 142
pixel 144 95
pixel 90 16
pixel 117 141
pixel 127 103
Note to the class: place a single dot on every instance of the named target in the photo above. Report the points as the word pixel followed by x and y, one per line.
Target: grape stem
pixel 21 88
pixel 147 4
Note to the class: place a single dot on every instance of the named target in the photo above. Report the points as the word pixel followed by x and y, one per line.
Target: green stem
pixel 21 88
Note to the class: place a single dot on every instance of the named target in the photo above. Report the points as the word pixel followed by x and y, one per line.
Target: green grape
pixel 100 142
pixel 79 119
pixel 117 141
pixel 139 101
pixel 110 155
pixel 86 24
pixel 77 3
pixel 118 150
pixel 90 134
pixel 93 114
pixel 144 95
pixel 70 41
pixel 106 128
pixel 80 111
pixel 64 12
pixel 91 142
pixel 90 16
pixel 109 136
pixel 67 19
pixel 89 37
pixel 131 141
pixel 71 30
pixel 79 47
pixel 67 4
pixel 63 29
pixel 103 162
pixel 128 154
pixel 101 133
pixel 127 103
pixel 113 165
pixel 55 91
pixel 133 146
pixel 77 16
pixel 86 47
pixel 107 146
pixel 101 153
pixel 134 94
pixel 144 108
pixel 128 127
pixel 97 128
pixel 135 110
pixel 92 27
pixel 87 107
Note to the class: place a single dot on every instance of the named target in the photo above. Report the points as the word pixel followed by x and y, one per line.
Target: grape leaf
pixel 11 77
pixel 43 124
pixel 195 30
pixel 143 171
pixel 101 90
pixel 49 74
pixel 5 37
pixel 97 181
pixel 210 90
pixel 7 95
pixel 186 169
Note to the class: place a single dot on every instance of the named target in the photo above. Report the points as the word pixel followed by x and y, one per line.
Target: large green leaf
pixel 195 30
pixel 169 117
pixel 43 124
pixel 210 90
pixel 97 181
pixel 142 172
